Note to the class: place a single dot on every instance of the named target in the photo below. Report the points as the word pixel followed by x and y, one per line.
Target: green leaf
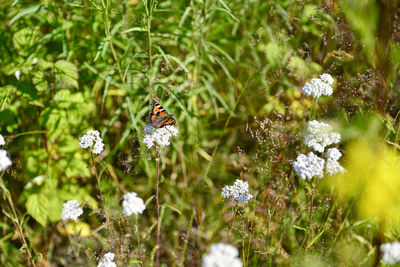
pixel 37 205
pixel 66 72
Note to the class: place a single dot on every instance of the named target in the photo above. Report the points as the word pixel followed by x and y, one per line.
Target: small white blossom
pixel 132 204
pixel 333 167
pixel 35 60
pixel 221 255
pixel 308 166
pixel 92 139
pixel 239 191
pixel 316 88
pixel 326 78
pixel 319 135
pixel 18 74
pixel 37 180
pixel 391 253
pixel 333 153
pixel 5 161
pixel 160 136
pixel 107 260
pixel 71 210
pixel 2 143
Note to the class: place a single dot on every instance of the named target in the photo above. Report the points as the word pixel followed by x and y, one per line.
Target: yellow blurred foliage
pixel 373 178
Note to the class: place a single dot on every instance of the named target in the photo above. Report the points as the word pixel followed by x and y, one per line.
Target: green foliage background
pixel 231 73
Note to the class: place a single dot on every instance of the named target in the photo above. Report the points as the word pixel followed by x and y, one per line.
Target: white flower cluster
pixel 107 260
pixel 5 161
pixel 239 191
pixel 71 210
pixel 221 255
pixel 93 140
pixel 319 135
pixel 332 165
pixel 319 87
pixel 132 204
pixel 391 252
pixel 160 136
pixel 2 143
pixel 308 166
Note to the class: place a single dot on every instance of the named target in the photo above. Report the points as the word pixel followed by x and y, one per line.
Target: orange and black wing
pixel 166 120
pixel 156 110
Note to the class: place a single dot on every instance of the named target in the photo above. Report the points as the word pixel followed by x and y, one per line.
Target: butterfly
pixel 158 118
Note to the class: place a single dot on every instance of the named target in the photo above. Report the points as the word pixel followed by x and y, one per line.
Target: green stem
pixel 158 211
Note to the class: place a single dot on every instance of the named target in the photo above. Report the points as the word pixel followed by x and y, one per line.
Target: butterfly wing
pixel 156 110
pixel 163 120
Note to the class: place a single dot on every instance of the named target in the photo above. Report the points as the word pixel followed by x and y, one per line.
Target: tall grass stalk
pixel 17 225
pixel 138 240
pixel 158 211
pixel 108 221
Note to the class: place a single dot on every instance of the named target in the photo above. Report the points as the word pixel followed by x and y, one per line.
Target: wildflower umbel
pixel 391 253
pixel 2 143
pixel 221 255
pixel 160 136
pixel 239 191
pixel 132 204
pixel 319 135
pixel 71 210
pixel 107 260
pixel 319 87
pixel 93 140
pixel 308 166
pixel 332 166
pixel 5 161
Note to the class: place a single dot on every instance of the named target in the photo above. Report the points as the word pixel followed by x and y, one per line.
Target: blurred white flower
pixel 391 253
pixel 239 191
pixel 317 87
pixel 333 153
pixel 132 204
pixel 333 167
pixel 326 78
pixel 319 135
pixel 5 161
pixel 35 60
pixel 308 166
pixel 221 255
pixel 18 74
pixel 2 143
pixel 37 180
pixel 107 260
pixel 92 139
pixel 160 136
pixel 71 210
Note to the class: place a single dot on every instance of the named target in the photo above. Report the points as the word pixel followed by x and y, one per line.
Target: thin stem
pixel 109 38
pixel 149 15
pixel 17 225
pixel 306 238
pixel 108 221
pixel 158 211
pixel 138 240
pixel 232 222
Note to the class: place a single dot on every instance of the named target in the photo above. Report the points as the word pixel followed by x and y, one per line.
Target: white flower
pixel 309 166
pixel 239 191
pixel 221 255
pixel 71 210
pixel 132 204
pixel 107 260
pixel 333 167
pixel 391 252
pixel 333 153
pixel 319 135
pixel 18 74
pixel 160 136
pixel 316 88
pixel 2 143
pixel 5 161
pixel 35 60
pixel 326 78
pixel 37 180
pixel 92 139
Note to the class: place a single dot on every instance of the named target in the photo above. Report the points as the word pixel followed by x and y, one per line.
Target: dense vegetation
pixel 231 73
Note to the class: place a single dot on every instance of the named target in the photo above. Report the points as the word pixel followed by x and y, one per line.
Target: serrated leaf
pixel 37 205
pixel 66 72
